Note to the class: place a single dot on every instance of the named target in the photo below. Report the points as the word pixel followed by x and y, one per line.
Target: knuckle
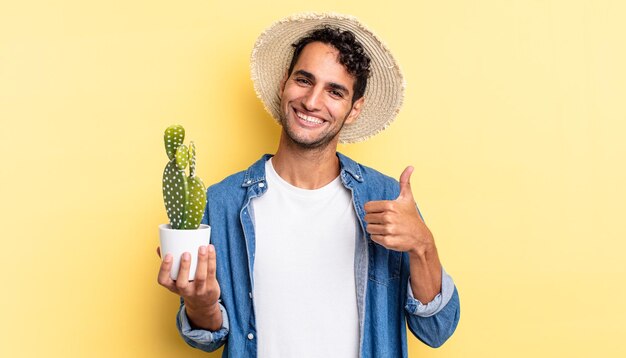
pixel 209 289
pixel 200 291
pixel 181 284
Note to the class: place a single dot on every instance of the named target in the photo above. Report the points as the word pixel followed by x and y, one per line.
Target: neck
pixel 306 168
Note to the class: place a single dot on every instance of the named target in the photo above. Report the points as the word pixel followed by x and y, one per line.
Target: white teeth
pixel 309 118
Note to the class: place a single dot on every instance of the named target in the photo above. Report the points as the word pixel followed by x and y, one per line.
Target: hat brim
pixel 384 93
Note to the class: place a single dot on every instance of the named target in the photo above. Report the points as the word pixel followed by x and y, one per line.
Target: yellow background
pixel 514 119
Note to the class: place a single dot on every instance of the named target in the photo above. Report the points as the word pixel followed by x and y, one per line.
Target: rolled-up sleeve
pixel 434 322
pixel 415 307
pixel 207 341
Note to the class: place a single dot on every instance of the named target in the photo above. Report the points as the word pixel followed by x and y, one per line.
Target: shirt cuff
pixel 198 335
pixel 415 307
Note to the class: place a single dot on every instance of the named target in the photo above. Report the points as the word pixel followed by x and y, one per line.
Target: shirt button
pixel 250 294
pixel 250 336
pixel 248 181
pixel 356 176
pixel 261 185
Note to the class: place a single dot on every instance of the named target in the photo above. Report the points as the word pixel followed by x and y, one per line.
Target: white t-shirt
pixel 304 282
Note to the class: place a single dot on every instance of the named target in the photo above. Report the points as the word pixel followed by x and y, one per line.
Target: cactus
pixel 184 196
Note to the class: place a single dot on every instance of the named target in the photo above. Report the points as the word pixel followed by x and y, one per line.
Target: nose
pixel 311 101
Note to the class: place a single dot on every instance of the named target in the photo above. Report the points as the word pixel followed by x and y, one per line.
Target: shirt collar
pixel 256 172
pixel 350 166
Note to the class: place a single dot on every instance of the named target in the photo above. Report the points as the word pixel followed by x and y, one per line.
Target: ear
pixel 283 81
pixel 355 111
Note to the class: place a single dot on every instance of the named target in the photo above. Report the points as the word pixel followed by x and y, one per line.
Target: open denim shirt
pixel 384 296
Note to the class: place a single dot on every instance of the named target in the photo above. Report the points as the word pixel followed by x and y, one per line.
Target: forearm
pixel 205 318
pixel 425 269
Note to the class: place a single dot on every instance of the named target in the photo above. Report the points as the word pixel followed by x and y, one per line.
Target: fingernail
pixel 202 250
pixel 211 248
pixel 186 256
pixel 168 258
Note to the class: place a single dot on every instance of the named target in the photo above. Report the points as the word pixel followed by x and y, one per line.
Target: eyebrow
pixel 333 85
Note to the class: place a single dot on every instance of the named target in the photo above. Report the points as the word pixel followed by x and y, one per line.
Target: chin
pixel 305 142
pixel 310 143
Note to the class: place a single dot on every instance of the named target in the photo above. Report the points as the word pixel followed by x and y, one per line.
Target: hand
pixel 200 295
pixel 396 224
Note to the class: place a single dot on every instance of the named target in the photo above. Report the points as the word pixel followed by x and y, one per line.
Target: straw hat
pixel 272 54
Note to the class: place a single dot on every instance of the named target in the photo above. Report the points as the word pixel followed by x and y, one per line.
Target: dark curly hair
pixel 351 54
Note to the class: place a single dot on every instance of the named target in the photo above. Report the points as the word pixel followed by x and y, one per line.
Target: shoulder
pixel 379 184
pixel 235 186
pixel 226 190
pixel 229 183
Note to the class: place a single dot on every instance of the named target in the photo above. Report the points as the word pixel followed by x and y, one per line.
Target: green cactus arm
pixel 185 197
pixel 175 194
pixel 194 210
pixel 182 157
pixel 192 160
pixel 173 138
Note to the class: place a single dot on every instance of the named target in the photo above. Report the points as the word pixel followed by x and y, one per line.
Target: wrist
pixel 206 311
pixel 423 251
pixel 204 317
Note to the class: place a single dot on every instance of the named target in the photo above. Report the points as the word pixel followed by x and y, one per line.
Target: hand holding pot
pixel 200 295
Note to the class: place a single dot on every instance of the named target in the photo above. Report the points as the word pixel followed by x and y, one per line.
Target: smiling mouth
pixel 309 119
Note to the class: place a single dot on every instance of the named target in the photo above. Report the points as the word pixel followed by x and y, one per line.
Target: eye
pixel 336 93
pixel 302 80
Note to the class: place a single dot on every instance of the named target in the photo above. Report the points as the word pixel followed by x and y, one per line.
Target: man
pixel 312 254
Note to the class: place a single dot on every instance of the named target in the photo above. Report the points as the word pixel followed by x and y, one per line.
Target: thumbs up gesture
pixel 396 224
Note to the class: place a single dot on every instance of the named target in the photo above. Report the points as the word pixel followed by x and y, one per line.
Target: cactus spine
pixel 184 196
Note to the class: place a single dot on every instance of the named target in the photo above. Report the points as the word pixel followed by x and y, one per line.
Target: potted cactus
pixel 185 198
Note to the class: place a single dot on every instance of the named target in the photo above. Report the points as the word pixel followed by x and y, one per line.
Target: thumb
pixel 405 184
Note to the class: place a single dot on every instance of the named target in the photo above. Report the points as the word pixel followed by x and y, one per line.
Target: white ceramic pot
pixel 176 242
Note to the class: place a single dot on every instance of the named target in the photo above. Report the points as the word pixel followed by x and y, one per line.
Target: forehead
pixel 322 60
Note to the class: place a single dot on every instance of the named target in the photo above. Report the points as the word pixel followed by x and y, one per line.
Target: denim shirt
pixel 384 297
